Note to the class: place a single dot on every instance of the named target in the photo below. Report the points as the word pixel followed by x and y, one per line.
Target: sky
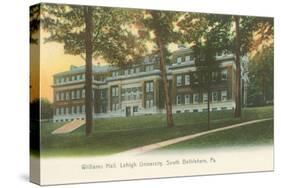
pixel 53 60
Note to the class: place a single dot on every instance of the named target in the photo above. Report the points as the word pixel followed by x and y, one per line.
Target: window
pixel 61 110
pixel 115 92
pixel 187 99
pixel 224 74
pixel 66 110
pixel 83 93
pixel 115 106
pixel 78 94
pixel 77 109
pixel 73 78
pixel 187 80
pixel 195 78
pixel 72 94
pixel 149 103
pixel 192 58
pixel 83 76
pixel 214 76
pixel 103 93
pixel 149 68
pixel 196 98
pixel 83 109
pixel 205 97
pixel 224 95
pixel 62 96
pixel 114 73
pixel 178 60
pixel 219 53
pixel 57 96
pixel 66 95
pixel 149 87
pixel 179 80
pixel 187 58
pixel 126 72
pixel 57 111
pixel 137 70
pixel 146 60
pixel 178 99
pixel 135 108
pixel 214 96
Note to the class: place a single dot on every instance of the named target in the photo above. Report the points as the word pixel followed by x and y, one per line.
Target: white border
pixel 14 90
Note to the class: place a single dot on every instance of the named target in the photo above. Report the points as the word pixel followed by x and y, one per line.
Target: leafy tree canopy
pixel 113 37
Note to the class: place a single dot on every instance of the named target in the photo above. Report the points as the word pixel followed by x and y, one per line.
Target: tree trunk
pixel 169 115
pixel 209 99
pixel 88 81
pixel 238 69
pixel 208 106
pixel 263 89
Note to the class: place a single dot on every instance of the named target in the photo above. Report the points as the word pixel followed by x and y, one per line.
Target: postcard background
pixel 14 79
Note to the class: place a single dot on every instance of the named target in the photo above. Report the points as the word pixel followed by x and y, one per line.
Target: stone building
pixel 137 90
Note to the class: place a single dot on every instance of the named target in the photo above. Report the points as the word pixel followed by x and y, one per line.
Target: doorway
pixel 128 111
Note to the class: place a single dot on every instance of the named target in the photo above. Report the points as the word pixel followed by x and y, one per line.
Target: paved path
pixel 69 127
pixel 151 147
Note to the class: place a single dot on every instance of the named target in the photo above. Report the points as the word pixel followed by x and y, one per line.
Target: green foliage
pixel 41 108
pixel 158 26
pixel 261 77
pixel 112 37
pixel 208 35
pixel 34 23
pixel 255 32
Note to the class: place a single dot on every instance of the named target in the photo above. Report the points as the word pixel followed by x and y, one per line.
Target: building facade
pixel 137 90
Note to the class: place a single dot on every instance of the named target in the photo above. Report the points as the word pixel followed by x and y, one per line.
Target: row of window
pixel 186 79
pixel 133 93
pixel 70 95
pixel 195 97
pixel 183 59
pixel 71 78
pixel 191 58
pixel 131 71
pixel 78 109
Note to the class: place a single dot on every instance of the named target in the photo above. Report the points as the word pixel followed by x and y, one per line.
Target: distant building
pixel 137 90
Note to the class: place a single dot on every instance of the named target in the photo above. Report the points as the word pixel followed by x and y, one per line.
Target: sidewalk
pixel 151 147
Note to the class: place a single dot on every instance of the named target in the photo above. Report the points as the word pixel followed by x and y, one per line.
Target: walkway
pixel 69 127
pixel 151 147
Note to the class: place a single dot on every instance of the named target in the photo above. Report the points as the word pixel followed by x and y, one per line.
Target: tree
pixel 42 105
pixel 251 34
pixel 207 34
pixel 92 32
pixel 158 27
pixel 34 23
pixel 260 90
pixel 237 112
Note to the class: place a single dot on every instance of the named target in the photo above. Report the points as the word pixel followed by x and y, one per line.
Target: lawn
pixel 119 134
pixel 250 135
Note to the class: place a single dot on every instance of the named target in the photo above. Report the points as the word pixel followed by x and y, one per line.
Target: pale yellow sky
pixel 53 60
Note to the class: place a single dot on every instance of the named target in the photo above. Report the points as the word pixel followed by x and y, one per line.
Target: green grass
pixel 119 134
pixel 250 135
